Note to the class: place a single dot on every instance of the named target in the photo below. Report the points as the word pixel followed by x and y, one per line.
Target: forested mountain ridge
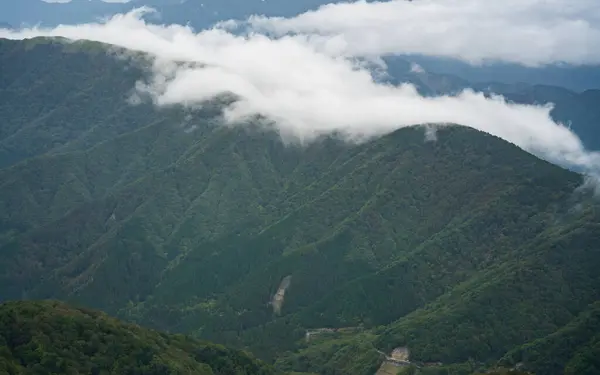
pixel 573 348
pixel 80 75
pixel 169 219
pixel 53 338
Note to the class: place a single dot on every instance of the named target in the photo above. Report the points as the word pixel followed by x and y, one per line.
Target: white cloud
pixel 309 92
pixel 529 32
pixel 416 68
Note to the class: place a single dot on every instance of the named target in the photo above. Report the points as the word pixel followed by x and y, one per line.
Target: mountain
pixel 202 14
pixel 52 338
pixel 573 348
pixel 321 258
pixel 572 77
pixel 52 126
pixel 578 110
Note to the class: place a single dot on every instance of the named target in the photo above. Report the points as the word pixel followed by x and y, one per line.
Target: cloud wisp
pixel 527 32
pixel 309 92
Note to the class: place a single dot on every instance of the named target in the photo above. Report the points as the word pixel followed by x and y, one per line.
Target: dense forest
pixel 466 249
pixel 52 338
pixel 573 347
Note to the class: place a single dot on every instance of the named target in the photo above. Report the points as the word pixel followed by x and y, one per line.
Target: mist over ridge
pixel 309 87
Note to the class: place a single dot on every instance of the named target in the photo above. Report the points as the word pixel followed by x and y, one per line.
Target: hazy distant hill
pixel 576 78
pixel 579 110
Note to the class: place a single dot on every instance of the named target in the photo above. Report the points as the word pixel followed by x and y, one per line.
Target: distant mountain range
pixel 576 78
pixel 579 110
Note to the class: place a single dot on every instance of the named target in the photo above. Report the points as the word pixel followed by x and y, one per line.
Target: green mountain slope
pixel 50 337
pixel 37 114
pixel 460 249
pixel 573 348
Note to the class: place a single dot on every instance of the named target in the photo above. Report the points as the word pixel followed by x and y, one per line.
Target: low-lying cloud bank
pixel 528 32
pixel 308 91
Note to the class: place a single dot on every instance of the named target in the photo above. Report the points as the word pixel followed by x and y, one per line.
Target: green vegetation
pixel 52 338
pixel 462 249
pixel 574 348
pixel 352 355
